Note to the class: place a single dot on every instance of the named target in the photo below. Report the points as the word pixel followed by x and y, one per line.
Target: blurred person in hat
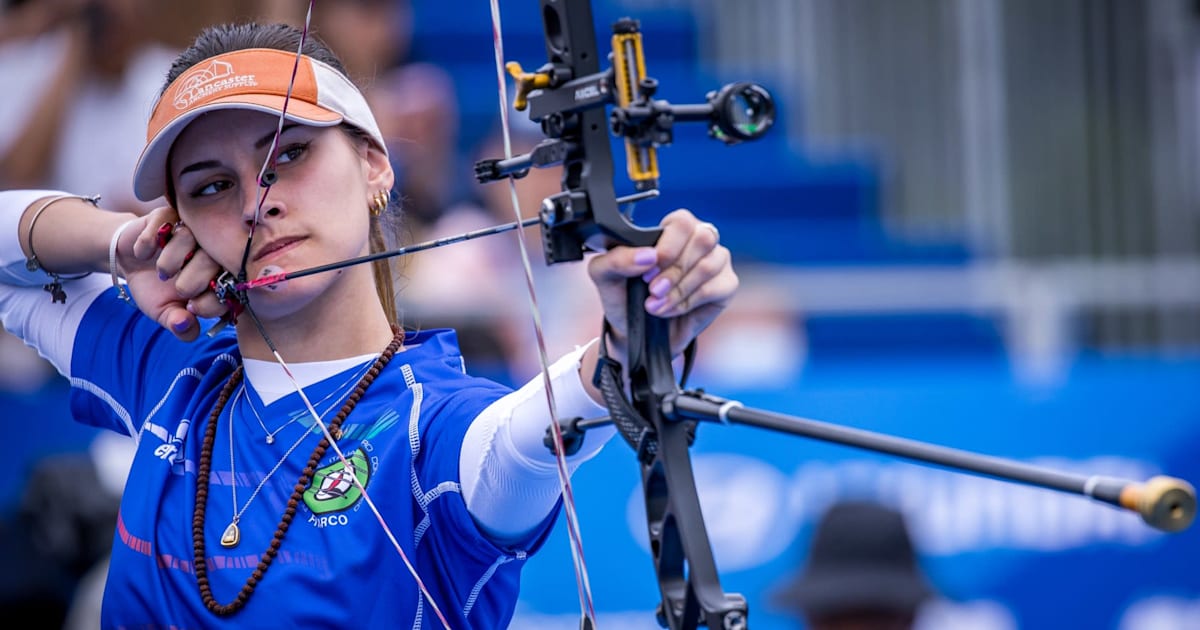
pixel 861 572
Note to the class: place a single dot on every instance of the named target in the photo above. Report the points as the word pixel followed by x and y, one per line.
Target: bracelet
pixel 54 287
pixel 112 261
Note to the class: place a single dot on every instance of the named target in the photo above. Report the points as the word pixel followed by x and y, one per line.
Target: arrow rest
pixel 225 287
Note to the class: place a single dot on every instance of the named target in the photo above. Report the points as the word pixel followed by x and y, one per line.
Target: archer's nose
pixel 260 207
pixel 269 211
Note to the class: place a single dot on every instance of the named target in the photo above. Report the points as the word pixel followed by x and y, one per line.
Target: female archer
pixel 311 464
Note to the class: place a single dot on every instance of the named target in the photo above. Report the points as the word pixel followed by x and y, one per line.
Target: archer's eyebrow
pixel 266 140
pixel 262 143
pixel 198 166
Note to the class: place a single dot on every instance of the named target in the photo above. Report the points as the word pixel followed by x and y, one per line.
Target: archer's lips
pixel 276 247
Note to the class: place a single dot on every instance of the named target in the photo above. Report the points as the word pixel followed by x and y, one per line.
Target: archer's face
pixel 316 212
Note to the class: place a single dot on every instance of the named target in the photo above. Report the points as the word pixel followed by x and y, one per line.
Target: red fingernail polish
pixel 164 234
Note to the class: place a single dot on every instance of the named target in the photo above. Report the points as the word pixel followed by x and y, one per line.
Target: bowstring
pixel 265 184
pixel 583 584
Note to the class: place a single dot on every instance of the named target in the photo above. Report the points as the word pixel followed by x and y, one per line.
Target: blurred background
pixel 975 223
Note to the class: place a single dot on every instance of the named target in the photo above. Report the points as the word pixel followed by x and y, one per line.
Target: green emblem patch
pixel 333 489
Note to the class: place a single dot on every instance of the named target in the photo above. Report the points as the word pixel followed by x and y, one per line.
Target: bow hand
pixel 689 274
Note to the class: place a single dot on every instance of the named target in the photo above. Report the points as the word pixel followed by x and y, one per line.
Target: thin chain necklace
pixel 200 561
pixel 233 535
pixel 271 434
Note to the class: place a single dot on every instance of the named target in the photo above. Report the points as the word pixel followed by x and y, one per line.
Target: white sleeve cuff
pixel 529 422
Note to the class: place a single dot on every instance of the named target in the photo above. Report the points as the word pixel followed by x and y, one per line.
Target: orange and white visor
pixel 255 79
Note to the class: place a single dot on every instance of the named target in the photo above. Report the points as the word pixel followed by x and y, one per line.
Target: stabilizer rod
pixel 1165 503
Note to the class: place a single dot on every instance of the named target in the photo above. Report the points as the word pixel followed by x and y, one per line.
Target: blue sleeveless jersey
pixel 336 567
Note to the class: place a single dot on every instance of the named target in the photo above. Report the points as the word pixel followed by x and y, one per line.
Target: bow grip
pixel 649 354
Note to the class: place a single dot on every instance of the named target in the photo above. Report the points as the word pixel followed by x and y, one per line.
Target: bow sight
pixel 568 97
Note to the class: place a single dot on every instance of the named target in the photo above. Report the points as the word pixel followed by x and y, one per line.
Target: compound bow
pixel 578 103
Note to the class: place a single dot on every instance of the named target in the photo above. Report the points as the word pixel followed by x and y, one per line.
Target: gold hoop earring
pixel 379 203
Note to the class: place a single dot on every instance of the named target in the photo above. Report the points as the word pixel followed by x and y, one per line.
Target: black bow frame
pixel 578 104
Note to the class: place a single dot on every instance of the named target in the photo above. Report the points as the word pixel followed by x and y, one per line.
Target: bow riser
pixel 569 96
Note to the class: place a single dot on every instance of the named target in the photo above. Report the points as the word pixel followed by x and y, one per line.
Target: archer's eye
pixel 212 188
pixel 291 152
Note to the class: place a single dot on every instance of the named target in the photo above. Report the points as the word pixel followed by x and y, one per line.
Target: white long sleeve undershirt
pixel 509 477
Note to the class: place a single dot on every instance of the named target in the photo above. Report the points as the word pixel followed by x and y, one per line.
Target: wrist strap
pixel 112 261
pixel 635 429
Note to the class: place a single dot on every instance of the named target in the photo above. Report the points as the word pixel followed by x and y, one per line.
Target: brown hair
pixel 225 38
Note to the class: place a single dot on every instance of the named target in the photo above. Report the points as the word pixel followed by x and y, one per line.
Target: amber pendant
pixel 231 537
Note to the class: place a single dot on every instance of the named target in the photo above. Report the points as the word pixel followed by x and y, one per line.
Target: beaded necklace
pixel 205 469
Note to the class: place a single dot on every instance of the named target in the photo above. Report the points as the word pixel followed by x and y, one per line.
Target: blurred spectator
pixel 80 76
pixel 861 572
pixel 446 286
pixel 414 103
pixel 106 468
pixel 417 110
pixel 369 36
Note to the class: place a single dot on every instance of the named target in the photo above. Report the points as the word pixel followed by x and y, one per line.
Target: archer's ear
pixel 379 169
